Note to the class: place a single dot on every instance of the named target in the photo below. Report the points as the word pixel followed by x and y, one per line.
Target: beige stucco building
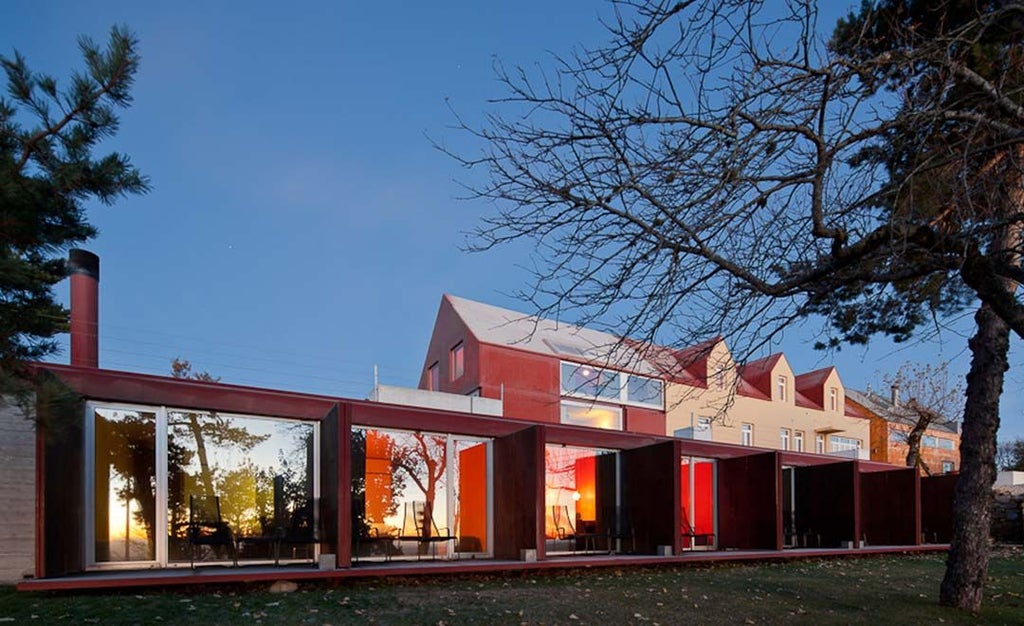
pixel 763 403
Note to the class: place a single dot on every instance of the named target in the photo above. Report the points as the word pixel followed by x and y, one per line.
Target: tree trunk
pixel 914 448
pixel 967 566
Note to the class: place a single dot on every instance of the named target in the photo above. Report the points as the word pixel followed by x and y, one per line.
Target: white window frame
pixel 833 398
pixel 819 444
pixel 798 441
pixel 620 395
pixel 843 444
pixel 783 384
pixel 784 436
pixel 747 434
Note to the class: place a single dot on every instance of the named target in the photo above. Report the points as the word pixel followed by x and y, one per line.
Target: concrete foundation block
pixel 528 554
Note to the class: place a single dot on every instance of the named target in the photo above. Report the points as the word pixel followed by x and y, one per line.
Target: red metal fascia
pixel 129 387
pixel 380 415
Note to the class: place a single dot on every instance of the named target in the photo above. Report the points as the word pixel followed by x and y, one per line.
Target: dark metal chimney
pixel 84 267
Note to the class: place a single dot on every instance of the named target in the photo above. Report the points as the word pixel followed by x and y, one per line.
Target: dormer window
pixel 833 399
pixel 782 388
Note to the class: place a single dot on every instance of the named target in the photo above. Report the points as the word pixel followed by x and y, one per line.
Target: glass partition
pixel 147 466
pixel 124 485
pixel 259 470
pixel 697 482
pixel 416 494
pixel 581 494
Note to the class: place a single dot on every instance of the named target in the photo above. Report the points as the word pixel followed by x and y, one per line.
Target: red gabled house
pixel 543 370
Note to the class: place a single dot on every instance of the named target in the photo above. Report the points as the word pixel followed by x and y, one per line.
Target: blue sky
pixel 301 227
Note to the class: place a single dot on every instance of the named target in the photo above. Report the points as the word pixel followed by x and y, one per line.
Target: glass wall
pixel 417 493
pixel 581 495
pixel 149 462
pixel 124 485
pixel 259 470
pixel 592 415
pixel 697 482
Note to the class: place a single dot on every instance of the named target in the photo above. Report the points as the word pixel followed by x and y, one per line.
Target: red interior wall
pixel 704 493
pixel 703 496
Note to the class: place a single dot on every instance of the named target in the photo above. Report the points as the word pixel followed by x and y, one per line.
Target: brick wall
pixel 17 493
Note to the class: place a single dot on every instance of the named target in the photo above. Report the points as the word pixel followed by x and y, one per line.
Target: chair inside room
pixel 694 538
pixel 207 528
pixel 301 530
pixel 581 534
pixel 564 530
pixel 418 525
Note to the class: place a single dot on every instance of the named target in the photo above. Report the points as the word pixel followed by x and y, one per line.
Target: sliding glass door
pixel 415 493
pixel 150 463
pixel 124 493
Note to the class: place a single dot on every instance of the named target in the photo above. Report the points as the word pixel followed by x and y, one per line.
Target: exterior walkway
pixel 259 573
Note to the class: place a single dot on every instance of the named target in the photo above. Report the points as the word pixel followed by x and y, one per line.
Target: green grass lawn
pixel 877 590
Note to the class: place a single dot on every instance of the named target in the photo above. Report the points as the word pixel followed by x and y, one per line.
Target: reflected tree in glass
pixel 423 458
pixel 125 484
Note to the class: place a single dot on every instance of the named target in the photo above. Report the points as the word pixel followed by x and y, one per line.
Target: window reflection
pixel 398 474
pixel 261 469
pixel 581 488
pixel 124 485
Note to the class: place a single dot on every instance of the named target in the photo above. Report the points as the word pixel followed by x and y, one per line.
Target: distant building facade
pixel 560 373
pixel 890 426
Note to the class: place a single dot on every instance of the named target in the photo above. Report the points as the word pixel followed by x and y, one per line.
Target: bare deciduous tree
pixel 719 169
pixel 925 398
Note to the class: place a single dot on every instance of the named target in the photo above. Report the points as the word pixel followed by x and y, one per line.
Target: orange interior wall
pixel 473 494
pixel 586 486
pixel 378 476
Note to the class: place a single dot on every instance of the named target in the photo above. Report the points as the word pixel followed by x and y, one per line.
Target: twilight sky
pixel 301 227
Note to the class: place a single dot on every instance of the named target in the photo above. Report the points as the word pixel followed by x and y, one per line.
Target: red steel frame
pixel 749 498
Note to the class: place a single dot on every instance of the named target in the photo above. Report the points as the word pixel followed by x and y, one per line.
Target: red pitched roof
pixel 758 375
pixel 811 387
